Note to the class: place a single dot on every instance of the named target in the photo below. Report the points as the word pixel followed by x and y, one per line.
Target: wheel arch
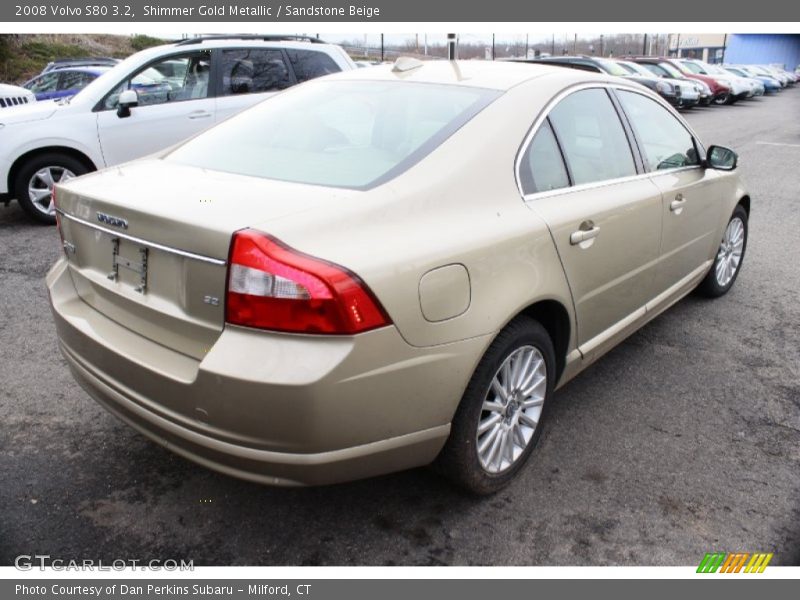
pixel 555 318
pixel 744 202
pixel 23 158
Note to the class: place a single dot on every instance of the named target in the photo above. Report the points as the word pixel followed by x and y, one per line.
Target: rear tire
pixel 729 258
pixel 34 182
pixel 524 349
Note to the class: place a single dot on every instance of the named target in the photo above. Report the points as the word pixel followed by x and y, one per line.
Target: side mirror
pixel 127 100
pixel 721 158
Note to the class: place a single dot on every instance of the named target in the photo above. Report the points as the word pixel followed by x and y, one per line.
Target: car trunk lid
pixel 148 243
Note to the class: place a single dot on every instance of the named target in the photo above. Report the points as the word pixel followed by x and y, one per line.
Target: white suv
pixel 148 102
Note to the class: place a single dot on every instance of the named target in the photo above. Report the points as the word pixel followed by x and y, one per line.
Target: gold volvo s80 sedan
pixel 388 267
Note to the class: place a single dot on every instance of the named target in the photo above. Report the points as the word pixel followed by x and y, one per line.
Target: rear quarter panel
pixel 459 205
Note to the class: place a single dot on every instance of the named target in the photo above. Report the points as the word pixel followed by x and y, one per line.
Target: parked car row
pixel 686 82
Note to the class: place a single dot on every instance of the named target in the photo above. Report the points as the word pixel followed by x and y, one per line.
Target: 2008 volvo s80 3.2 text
pixel 388 268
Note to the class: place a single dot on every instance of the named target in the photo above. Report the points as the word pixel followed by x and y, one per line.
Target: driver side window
pixel 172 79
pixel 666 144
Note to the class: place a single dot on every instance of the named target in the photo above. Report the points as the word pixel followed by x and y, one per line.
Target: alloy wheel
pixel 511 409
pixel 40 187
pixel 730 252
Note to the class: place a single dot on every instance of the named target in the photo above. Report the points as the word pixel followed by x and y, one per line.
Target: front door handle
pixel 199 114
pixel 587 231
pixel 677 204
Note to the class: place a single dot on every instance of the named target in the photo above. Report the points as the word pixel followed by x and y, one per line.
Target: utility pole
pixel 575 44
pixel 526 46
pixel 644 45
pixel 724 47
pixel 601 45
pixel 553 49
pixel 493 54
pixel 381 47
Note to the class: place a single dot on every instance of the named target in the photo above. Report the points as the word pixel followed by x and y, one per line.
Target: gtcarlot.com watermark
pixel 28 562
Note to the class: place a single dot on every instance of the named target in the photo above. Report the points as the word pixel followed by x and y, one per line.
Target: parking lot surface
pixel 683 440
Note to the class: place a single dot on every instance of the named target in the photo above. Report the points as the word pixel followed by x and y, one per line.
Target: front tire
pixel 33 185
pixel 730 254
pixel 723 99
pixel 499 420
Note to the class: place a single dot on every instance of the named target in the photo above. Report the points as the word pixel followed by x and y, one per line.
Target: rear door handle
pixel 199 114
pixel 588 230
pixel 677 204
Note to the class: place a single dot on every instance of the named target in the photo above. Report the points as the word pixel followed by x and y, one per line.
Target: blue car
pixel 61 83
pixel 771 85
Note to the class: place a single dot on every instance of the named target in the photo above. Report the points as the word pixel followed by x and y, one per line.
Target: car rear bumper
pixel 274 408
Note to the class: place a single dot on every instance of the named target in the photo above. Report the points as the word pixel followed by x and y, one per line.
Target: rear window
pixel 308 64
pixel 336 133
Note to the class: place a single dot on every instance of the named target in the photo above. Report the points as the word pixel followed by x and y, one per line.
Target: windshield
pixel 736 71
pixel 693 67
pixel 673 72
pixel 612 68
pixel 634 68
pixel 353 134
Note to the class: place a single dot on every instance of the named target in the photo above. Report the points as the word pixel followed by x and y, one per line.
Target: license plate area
pixel 124 261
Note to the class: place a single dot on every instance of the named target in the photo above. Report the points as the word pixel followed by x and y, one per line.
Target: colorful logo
pixel 725 562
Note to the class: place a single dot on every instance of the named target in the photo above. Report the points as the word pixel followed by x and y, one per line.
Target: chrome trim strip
pixel 655 305
pixel 675 289
pixel 617 328
pixel 140 241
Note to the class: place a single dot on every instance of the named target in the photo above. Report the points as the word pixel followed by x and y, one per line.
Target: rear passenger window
pixel 542 167
pixel 308 64
pixel 591 135
pixel 666 143
pixel 254 71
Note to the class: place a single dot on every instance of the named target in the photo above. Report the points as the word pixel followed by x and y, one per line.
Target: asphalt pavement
pixel 683 440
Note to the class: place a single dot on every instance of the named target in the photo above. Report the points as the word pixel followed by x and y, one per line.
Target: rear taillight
pixel 271 286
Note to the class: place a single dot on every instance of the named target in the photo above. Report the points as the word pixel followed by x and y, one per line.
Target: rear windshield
pixel 353 134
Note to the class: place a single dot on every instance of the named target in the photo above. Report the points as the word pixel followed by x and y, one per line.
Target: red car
pixel 720 93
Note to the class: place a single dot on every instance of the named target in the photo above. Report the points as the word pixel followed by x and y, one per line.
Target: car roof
pixel 190 44
pixel 94 69
pixel 471 73
pixel 238 42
